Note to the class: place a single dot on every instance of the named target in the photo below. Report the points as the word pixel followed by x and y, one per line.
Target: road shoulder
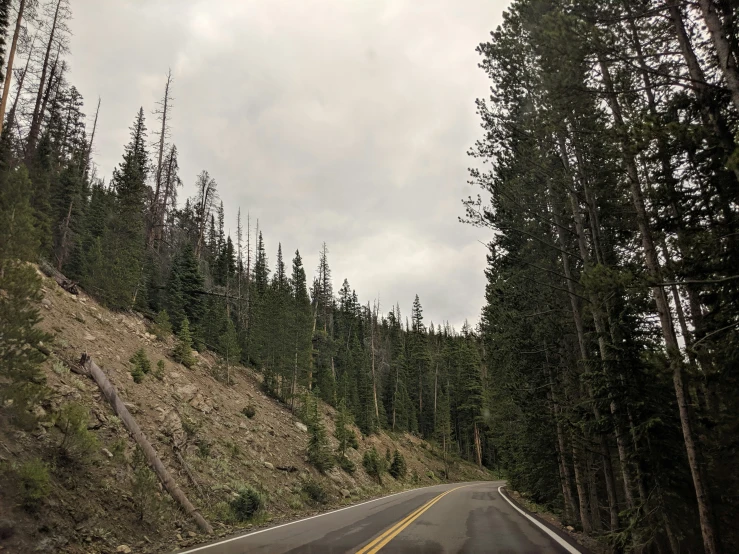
pixel 556 530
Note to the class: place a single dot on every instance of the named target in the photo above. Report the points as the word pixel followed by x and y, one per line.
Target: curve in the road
pixel 468 518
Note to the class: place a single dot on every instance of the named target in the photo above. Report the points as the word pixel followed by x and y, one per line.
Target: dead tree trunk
pixel 156 206
pixel 88 153
pixel 37 113
pixel 581 492
pixel 11 58
pixel 710 114
pixel 373 315
pixel 726 60
pixel 89 368
pixel 14 108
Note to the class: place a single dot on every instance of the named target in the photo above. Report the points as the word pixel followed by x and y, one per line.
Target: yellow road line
pixel 393 532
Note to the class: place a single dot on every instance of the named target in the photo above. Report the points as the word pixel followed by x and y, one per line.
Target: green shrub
pixel 315 492
pixel 249 411
pixel 203 448
pixel 233 448
pixel 77 441
pixel 118 449
pixel 144 489
pixel 352 440
pixel 159 371
pixel 346 464
pixel 140 365
pixel 398 467
pixel 373 464
pixel 183 349
pixel 415 479
pixel 162 327
pixel 34 482
pixel 190 426
pixel 247 503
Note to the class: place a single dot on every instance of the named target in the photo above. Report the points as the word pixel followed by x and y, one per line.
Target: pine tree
pixel 300 325
pixel 319 452
pixel 183 349
pixel 20 292
pixel 229 348
pixel 123 238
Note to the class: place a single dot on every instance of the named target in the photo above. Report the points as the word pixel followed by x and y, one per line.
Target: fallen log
pixel 67 284
pixel 89 368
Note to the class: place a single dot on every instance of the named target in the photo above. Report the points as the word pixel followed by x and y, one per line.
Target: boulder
pixel 186 392
pixel 302 426
pixel 89 337
pixel 124 549
pixel 199 403
pixel 46 303
pixel 107 452
pixel 335 475
pixel 345 493
pixel 268 465
pixel 171 426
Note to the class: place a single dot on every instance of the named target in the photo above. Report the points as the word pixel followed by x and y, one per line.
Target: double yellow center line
pixel 395 530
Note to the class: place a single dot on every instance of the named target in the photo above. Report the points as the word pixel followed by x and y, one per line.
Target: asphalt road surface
pixel 463 517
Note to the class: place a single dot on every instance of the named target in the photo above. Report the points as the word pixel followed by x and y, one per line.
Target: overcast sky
pixel 342 121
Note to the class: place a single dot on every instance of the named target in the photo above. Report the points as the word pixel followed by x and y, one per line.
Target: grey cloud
pixel 344 121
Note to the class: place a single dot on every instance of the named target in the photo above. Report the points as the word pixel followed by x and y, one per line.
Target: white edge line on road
pixel 563 543
pixel 239 537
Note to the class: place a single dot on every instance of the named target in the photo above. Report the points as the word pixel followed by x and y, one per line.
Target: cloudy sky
pixel 345 121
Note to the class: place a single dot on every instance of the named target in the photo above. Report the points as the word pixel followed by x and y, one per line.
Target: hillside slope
pixel 104 500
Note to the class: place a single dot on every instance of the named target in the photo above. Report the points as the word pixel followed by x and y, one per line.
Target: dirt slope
pixel 93 505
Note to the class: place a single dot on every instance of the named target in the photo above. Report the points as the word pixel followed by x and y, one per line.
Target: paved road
pixel 445 518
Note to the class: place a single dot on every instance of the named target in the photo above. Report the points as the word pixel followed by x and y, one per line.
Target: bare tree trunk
pixel 295 380
pixel 37 113
pixel 593 489
pixel 711 116
pixel 478 446
pixel 581 493
pixel 373 314
pixel 705 511
pixel 14 108
pixel 436 383
pixel 88 154
pixel 569 501
pixel 726 60
pixel 63 254
pixel 89 368
pixel 155 205
pixel 600 329
pixel 11 58
pixel 52 84
pixel 577 319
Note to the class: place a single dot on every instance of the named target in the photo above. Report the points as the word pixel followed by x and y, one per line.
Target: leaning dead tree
pixel 88 368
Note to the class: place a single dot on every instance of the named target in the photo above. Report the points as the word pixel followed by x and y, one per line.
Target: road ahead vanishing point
pixel 464 517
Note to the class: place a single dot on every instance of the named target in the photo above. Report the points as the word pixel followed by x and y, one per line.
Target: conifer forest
pixel 602 380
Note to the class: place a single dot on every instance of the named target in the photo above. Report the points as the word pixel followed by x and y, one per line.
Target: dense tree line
pixel 610 328
pixel 134 245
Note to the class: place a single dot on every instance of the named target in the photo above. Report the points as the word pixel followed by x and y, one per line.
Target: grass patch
pixel 315 492
pixel 35 483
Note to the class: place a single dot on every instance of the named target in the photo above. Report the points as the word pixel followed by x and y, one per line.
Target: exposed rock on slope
pixel 106 499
